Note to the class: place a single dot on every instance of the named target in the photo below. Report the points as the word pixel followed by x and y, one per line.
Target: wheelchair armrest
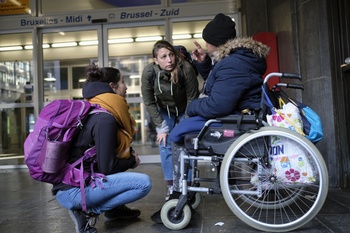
pixel 243 123
pixel 238 118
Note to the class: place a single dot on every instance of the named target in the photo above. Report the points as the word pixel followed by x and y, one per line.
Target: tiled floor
pixel 27 206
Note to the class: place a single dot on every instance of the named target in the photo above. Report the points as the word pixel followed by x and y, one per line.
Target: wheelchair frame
pixel 270 203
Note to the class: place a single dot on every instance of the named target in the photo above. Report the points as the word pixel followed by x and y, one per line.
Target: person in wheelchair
pixel 232 69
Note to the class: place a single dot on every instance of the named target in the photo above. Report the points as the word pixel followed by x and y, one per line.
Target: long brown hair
pixel 165 44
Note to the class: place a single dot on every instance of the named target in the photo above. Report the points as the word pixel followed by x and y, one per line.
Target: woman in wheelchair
pixel 233 70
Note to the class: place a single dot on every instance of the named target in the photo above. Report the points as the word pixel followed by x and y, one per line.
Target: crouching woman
pixel 111 133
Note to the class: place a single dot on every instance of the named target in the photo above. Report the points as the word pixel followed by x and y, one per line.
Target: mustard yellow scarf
pixel 119 108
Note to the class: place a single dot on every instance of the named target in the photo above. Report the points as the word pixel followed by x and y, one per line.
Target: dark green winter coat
pixel 159 92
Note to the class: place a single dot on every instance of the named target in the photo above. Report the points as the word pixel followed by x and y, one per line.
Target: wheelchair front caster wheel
pixel 195 201
pixel 170 221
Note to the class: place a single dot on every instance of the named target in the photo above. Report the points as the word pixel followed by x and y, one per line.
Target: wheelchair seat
pixel 217 139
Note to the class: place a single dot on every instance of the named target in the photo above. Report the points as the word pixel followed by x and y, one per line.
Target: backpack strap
pixel 94 177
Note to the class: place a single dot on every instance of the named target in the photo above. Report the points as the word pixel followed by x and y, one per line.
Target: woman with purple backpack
pixel 111 133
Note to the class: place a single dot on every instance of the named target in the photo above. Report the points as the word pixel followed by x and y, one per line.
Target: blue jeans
pixel 166 151
pixel 119 189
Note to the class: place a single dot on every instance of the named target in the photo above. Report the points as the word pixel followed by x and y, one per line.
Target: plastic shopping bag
pixel 287 117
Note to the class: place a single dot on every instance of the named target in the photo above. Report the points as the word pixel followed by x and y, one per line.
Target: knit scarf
pixel 119 108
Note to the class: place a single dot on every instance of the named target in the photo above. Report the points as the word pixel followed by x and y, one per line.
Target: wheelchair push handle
pixel 282 75
pixel 288 85
pixel 291 76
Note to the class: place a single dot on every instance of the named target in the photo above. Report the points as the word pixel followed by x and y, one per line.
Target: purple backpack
pixel 46 147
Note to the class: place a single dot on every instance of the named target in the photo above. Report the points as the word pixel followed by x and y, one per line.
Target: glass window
pixel 185 33
pixel 17 7
pixel 16 87
pixel 65 58
pixel 54 6
pixel 15 125
pixel 78 76
pixel 183 1
pixel 130 51
pixel 16 68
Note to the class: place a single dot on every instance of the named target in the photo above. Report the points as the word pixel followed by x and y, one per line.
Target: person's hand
pixel 137 159
pixel 162 136
pixel 198 54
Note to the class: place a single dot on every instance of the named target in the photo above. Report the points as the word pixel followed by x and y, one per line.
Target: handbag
pixel 311 120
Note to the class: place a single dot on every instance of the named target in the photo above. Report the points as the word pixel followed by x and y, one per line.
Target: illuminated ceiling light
pixel 150 38
pixel 67 44
pixel 197 35
pixel 184 36
pixel 135 76
pixel 50 78
pixel 89 42
pixel 11 48
pixel 120 40
pixel 81 80
pixel 27 47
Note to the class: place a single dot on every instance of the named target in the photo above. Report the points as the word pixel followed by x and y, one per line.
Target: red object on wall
pixel 270 39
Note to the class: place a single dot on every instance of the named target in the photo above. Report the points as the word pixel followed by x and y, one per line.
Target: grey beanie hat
pixel 218 31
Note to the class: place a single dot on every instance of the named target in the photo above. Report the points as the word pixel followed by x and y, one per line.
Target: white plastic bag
pixel 287 117
pixel 289 162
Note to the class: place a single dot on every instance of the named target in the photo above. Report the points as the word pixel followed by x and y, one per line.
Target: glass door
pixel 66 53
pixel 16 95
pixel 129 50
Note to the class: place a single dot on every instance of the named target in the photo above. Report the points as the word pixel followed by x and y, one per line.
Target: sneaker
pixel 170 190
pixel 84 222
pixel 121 212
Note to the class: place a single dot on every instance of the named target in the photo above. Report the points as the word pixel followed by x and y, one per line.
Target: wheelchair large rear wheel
pixel 274 179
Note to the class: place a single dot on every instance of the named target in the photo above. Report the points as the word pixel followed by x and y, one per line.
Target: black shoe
pixel 121 212
pixel 175 195
pixel 84 223
pixel 156 217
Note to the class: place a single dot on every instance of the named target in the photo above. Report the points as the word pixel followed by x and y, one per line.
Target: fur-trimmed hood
pixel 234 82
pixel 258 48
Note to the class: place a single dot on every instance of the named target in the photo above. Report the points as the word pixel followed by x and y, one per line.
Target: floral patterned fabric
pixel 289 164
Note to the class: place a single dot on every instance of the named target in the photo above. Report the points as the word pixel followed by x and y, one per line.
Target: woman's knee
pixel 131 179
pixel 146 182
pixel 64 198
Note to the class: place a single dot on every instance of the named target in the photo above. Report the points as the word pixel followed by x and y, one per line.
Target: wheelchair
pixel 242 150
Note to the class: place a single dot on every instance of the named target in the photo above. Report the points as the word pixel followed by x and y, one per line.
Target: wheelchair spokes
pixel 273 187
